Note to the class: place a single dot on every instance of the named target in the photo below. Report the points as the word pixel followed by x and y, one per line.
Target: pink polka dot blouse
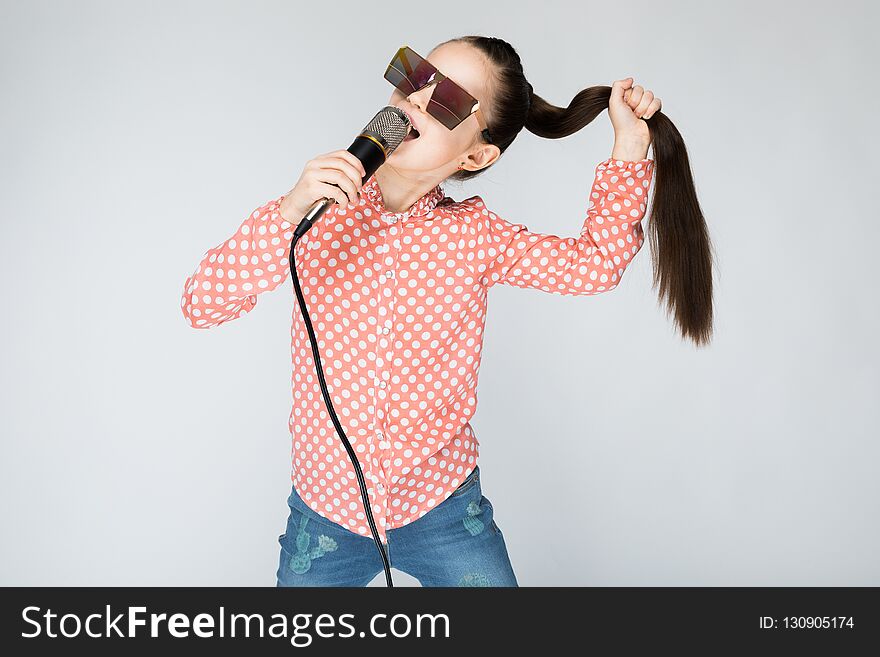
pixel 398 304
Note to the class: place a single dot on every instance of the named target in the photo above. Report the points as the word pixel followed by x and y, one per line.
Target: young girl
pixel 395 277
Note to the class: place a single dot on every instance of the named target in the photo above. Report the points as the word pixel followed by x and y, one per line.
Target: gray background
pixel 139 451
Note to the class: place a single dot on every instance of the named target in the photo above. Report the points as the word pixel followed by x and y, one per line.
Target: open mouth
pixel 411 135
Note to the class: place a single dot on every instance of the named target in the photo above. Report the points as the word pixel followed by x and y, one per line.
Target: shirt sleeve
pixel 594 261
pixel 253 260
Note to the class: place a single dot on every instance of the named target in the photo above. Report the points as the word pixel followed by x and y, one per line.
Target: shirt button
pixel 389 274
pixel 393 220
pixel 382 384
pixel 384 445
pixel 386 330
pixel 381 488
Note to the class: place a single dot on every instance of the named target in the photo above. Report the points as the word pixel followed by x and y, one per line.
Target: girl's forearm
pixel 231 275
pixel 629 149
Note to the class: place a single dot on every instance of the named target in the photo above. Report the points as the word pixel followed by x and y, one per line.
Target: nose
pixel 420 97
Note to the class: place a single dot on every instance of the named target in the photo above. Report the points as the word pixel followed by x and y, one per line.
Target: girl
pixel 396 275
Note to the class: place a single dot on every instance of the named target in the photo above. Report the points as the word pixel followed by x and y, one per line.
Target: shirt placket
pixel 381 443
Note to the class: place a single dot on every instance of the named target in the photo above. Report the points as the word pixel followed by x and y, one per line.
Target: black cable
pixel 351 455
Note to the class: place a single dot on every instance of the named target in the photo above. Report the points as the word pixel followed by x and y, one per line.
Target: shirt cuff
pixel 275 213
pixel 626 165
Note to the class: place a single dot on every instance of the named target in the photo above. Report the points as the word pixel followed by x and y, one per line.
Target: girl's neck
pixel 399 194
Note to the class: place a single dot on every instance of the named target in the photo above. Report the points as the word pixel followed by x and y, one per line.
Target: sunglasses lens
pixel 408 71
pixel 395 77
pixel 450 104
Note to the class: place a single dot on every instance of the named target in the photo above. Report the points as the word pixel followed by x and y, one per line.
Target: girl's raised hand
pixel 627 106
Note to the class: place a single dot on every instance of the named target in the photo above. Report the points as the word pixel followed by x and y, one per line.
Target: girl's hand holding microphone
pixel 338 175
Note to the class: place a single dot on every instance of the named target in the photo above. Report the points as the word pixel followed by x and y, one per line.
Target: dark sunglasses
pixel 449 103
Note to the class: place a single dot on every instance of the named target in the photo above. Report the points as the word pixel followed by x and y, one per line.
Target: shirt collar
pixel 373 195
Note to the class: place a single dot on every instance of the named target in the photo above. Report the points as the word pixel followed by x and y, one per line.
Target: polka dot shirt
pixel 398 304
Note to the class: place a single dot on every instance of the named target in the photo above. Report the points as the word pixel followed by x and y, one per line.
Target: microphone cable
pixel 351 455
pixel 379 138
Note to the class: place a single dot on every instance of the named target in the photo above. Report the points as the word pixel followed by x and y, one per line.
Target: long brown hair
pixel 682 253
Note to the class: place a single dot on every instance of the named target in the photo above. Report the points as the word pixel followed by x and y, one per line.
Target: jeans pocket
pixel 468 483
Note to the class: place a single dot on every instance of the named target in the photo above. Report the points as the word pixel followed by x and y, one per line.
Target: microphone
pixel 376 142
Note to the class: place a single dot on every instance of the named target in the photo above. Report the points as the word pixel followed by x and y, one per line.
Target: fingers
pixel 653 108
pixel 619 87
pixel 351 167
pixel 642 106
pixel 641 101
pixel 332 191
pixel 348 157
pixel 354 175
pixel 354 161
pixel 634 96
pixel 347 187
pixel 648 106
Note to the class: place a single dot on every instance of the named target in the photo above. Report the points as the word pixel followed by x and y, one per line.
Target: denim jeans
pixel 457 543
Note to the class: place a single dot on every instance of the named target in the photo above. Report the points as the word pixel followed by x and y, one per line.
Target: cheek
pixel 445 144
pixel 432 148
pixel 437 142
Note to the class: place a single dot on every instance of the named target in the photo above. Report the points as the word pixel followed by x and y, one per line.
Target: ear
pixel 482 156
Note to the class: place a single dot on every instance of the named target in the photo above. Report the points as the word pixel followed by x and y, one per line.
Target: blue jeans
pixel 457 543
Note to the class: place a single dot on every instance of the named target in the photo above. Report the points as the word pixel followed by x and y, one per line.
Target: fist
pixel 338 175
pixel 629 106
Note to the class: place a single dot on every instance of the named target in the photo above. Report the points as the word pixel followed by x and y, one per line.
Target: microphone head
pixel 388 128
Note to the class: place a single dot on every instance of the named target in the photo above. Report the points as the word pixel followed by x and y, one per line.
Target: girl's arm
pixel 594 262
pixel 230 276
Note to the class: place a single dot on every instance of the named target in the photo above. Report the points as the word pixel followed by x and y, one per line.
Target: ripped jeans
pixel 457 543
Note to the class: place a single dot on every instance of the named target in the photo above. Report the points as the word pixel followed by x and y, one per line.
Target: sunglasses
pixel 449 103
